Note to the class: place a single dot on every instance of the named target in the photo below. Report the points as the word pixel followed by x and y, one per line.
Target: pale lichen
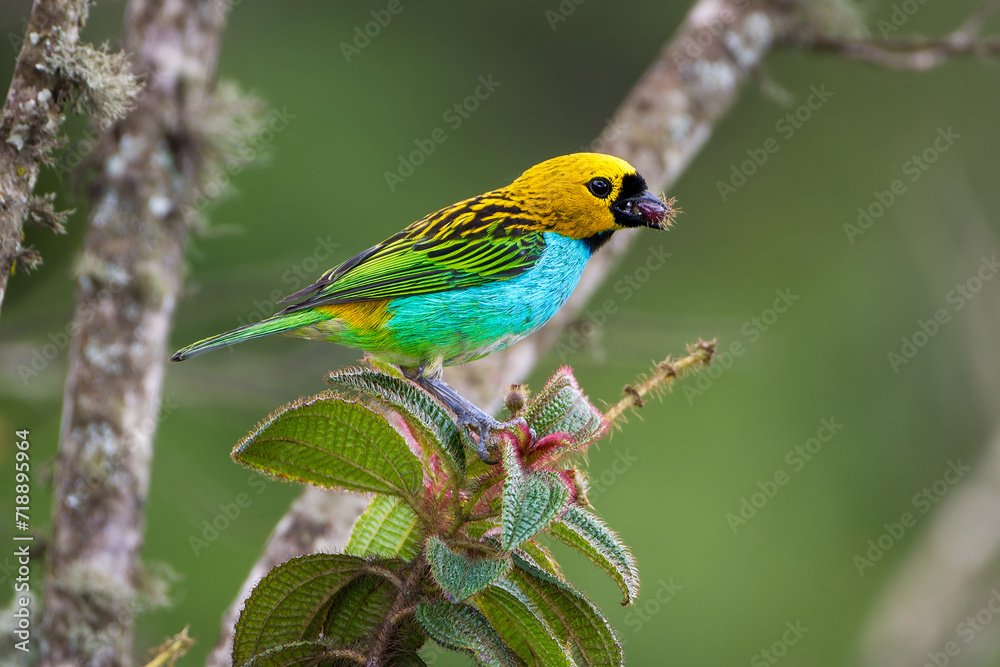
pixel 843 18
pixel 749 44
pixel 101 81
pixel 42 212
pixel 715 77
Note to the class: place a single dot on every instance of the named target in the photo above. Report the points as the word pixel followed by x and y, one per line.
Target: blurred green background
pixel 668 480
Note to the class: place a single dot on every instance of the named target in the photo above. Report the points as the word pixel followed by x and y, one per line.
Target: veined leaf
pixel 530 506
pixel 539 556
pixel 303 653
pixel 408 659
pixel 522 627
pixel 588 534
pixel 358 609
pixel 421 412
pixel 458 575
pixel 388 527
pixel 462 627
pixel 330 441
pixel 570 614
pixel 561 406
pixel 292 601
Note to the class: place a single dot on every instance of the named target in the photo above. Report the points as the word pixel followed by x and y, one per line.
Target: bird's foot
pixel 466 413
pixel 483 425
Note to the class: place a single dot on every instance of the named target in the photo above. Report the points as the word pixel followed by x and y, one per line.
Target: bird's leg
pixel 466 413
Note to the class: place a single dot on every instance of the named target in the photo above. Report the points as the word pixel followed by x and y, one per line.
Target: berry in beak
pixel 643 210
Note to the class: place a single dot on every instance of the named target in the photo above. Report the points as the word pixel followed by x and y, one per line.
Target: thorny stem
pixel 484 547
pixel 463 513
pixel 403 602
pixel 387 574
pixel 172 649
pixel 699 354
pixel 485 515
pixel 456 497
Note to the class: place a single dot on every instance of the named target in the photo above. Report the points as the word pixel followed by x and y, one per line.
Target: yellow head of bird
pixel 585 194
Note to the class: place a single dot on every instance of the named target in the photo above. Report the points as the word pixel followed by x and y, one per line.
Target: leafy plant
pixel 449 547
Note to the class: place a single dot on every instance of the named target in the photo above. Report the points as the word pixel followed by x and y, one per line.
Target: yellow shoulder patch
pixel 359 316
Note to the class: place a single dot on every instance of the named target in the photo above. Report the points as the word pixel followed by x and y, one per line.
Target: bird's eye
pixel 599 187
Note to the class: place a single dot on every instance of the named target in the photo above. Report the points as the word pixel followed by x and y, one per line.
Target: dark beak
pixel 644 210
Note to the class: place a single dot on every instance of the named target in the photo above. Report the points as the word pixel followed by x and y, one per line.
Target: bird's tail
pixel 272 325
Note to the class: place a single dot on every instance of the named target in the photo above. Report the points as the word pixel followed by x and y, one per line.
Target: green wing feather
pixel 470 243
pixel 465 245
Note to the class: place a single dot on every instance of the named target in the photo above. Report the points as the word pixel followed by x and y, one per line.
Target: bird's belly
pixel 457 326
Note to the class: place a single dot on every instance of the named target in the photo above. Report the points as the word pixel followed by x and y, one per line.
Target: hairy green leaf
pixel 306 653
pixel 358 609
pixel 408 659
pixel 569 613
pixel 588 534
pixel 292 601
pixel 461 627
pixel 388 527
pixel 562 407
pixel 530 506
pixel 330 441
pixel 458 575
pixel 422 413
pixel 522 627
pixel 539 556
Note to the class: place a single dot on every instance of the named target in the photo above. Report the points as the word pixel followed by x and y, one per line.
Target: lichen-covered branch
pixel 907 52
pixel 659 128
pixel 128 281
pixel 52 70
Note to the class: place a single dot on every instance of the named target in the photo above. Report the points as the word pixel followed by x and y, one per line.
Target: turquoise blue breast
pixel 459 326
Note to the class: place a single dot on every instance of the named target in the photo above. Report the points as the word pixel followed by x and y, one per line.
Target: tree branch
pixel 659 128
pixel 29 123
pixel 128 280
pixel 908 52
